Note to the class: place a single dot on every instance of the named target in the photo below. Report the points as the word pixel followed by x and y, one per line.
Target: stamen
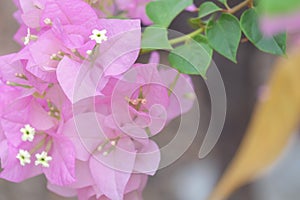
pixel 61 53
pixel 143 101
pixel 18 85
pixel 29 37
pixel 101 147
pixel 39 145
pixel 48 21
pixel 55 57
pixel 136 103
pixel 110 149
pixel 113 143
pixel 54 111
pixel 21 76
pixel 38 95
pixel 76 53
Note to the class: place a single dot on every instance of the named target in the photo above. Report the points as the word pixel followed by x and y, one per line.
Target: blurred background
pixel 190 178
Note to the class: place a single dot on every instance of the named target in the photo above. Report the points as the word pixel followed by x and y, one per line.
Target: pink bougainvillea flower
pixel 139 101
pixel 104 138
pixel 33 130
pixel 110 58
pixel 58 166
pixel 75 106
pixel 109 151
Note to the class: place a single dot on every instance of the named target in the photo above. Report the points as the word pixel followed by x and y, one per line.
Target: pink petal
pixel 86 134
pixel 147 159
pixel 121 50
pixel 78 81
pixel 62 167
pixel 69 12
pixel 13 171
pixel 113 183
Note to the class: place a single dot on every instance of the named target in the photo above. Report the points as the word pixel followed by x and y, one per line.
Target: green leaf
pixel 195 22
pixel 155 38
pixel 202 40
pixel 279 6
pixel 250 26
pixel 163 12
pixel 192 58
pixel 224 35
pixel 223 2
pixel 207 8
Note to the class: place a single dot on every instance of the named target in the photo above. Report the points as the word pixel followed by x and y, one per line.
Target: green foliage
pixel 195 22
pixel 155 38
pixel 250 26
pixel 163 12
pixel 194 57
pixel 207 8
pixel 224 35
pixel 223 2
pixel 279 6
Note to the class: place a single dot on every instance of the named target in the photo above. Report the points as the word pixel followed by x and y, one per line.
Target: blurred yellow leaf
pixel 272 124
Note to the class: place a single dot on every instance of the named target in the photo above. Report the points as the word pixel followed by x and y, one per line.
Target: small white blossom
pixel 98 36
pixel 28 133
pixel 24 157
pixel 42 159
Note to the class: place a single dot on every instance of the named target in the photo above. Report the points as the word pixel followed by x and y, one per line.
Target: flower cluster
pixel 76 107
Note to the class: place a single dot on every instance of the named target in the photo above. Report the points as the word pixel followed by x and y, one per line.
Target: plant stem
pixel 177 40
pixel 239 6
pixel 186 37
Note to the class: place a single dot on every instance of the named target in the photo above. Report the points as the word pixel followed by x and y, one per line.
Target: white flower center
pixel 24 157
pixel 42 159
pixel 28 133
pixel 98 36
